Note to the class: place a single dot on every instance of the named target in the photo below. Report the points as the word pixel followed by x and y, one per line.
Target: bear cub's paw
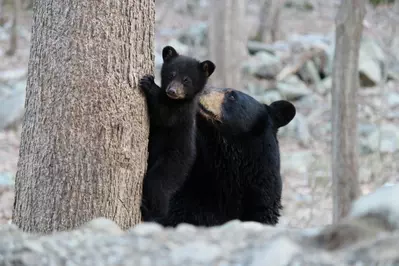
pixel 146 82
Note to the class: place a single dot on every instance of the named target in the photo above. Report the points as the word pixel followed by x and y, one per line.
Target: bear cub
pixel 172 110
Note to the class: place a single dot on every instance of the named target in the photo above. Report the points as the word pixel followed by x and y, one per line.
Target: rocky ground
pixel 305 143
pixel 368 236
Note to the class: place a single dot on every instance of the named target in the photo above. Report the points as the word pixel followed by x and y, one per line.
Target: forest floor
pixel 307 190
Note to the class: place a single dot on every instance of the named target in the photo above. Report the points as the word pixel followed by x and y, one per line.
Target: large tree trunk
pixel 349 29
pixel 85 131
pixel 227 41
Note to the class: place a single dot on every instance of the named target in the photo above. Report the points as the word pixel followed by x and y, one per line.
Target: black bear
pixel 172 112
pixel 236 174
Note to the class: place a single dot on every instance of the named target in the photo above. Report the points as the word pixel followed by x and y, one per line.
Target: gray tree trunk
pixel 269 20
pixel 84 142
pixel 13 31
pixel 349 29
pixel 227 41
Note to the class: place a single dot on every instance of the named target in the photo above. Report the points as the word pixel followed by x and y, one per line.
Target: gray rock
pixel 310 101
pixel 393 71
pixel 292 88
pixel 326 86
pixel 5 90
pixel 366 129
pixel 310 74
pixel 392 114
pixel 298 128
pixel 269 96
pixel 369 71
pixel 257 86
pixel 263 64
pixel 6 179
pixel 371 58
pixel 273 48
pixel 368 236
pixel 371 217
pixel 393 99
pixel 370 46
pixel 389 139
pixel 196 35
pixel 298 161
pixel 13 74
pixel 12 106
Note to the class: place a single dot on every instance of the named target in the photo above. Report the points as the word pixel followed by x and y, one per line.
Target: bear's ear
pixel 168 53
pixel 207 67
pixel 282 112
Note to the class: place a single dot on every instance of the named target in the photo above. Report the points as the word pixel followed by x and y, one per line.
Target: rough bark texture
pixel 269 19
pixel 344 106
pixel 227 40
pixel 84 142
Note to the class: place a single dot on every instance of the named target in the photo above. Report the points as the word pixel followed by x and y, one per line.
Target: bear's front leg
pixel 154 203
pixel 147 84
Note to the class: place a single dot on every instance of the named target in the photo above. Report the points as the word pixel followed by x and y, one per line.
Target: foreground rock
pixel 369 236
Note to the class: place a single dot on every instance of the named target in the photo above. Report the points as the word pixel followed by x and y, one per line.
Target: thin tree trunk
pixel 349 29
pixel 2 19
pixel 269 20
pixel 13 31
pixel 27 4
pixel 227 41
pixel 84 143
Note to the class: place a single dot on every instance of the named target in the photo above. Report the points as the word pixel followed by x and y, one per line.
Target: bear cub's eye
pixel 186 80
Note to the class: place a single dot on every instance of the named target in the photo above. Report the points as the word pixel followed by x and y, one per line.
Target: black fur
pixel 236 174
pixel 171 145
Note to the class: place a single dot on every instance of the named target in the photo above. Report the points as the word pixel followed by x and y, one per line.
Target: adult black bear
pixel 236 174
pixel 172 111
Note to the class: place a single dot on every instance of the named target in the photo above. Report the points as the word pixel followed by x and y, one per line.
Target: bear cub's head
pixel 237 113
pixel 183 77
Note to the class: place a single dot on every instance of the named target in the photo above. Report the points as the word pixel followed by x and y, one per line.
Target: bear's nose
pixel 171 91
pixel 174 92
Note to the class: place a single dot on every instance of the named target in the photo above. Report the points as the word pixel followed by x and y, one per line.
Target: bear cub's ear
pixel 168 52
pixel 207 67
pixel 282 112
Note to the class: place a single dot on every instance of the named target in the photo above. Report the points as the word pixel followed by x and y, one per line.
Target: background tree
pixel 16 8
pixel 344 105
pixel 84 142
pixel 269 20
pixel 227 41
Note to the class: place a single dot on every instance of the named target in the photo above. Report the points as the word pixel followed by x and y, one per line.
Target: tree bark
pixel 349 29
pixel 84 142
pixel 227 41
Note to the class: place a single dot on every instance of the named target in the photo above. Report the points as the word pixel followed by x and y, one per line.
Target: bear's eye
pixel 172 75
pixel 232 95
pixel 186 80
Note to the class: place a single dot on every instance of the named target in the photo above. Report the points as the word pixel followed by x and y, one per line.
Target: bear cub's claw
pixel 147 82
